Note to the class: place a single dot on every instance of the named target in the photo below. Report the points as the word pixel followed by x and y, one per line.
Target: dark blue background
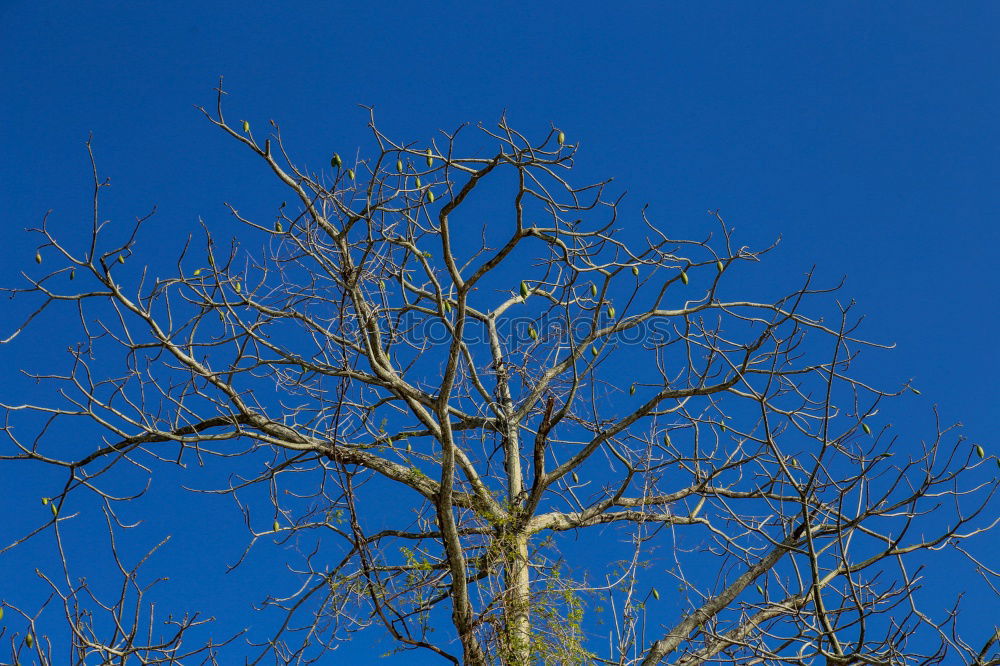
pixel 864 134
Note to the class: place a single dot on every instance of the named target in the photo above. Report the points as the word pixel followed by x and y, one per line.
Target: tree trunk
pixel 517 608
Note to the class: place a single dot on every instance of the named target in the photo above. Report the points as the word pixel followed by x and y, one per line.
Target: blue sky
pixel 864 134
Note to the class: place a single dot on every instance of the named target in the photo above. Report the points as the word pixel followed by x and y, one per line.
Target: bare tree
pixel 614 394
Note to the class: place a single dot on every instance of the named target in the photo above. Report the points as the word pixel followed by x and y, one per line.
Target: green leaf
pixel 335 161
pixel 276 527
pixel 29 640
pixel 915 391
pixel 197 271
pixel 532 332
pixel 561 138
pixel 430 158
pixel 417 182
pixel 684 277
pixel 611 312
pixel 38 257
pixel 719 265
pixel 399 166
pixel 278 227
pixel 866 428
pixel 760 590
pixel 524 289
pixel 246 127
pixel 72 274
pixel 631 390
pixel 593 290
pixel 350 174
pixel 656 594
pixel 980 451
pixel 430 196
pixel 593 351
pixel 635 271
pixel 121 259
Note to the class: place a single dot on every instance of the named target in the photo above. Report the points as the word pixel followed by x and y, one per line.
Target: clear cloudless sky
pixel 864 134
